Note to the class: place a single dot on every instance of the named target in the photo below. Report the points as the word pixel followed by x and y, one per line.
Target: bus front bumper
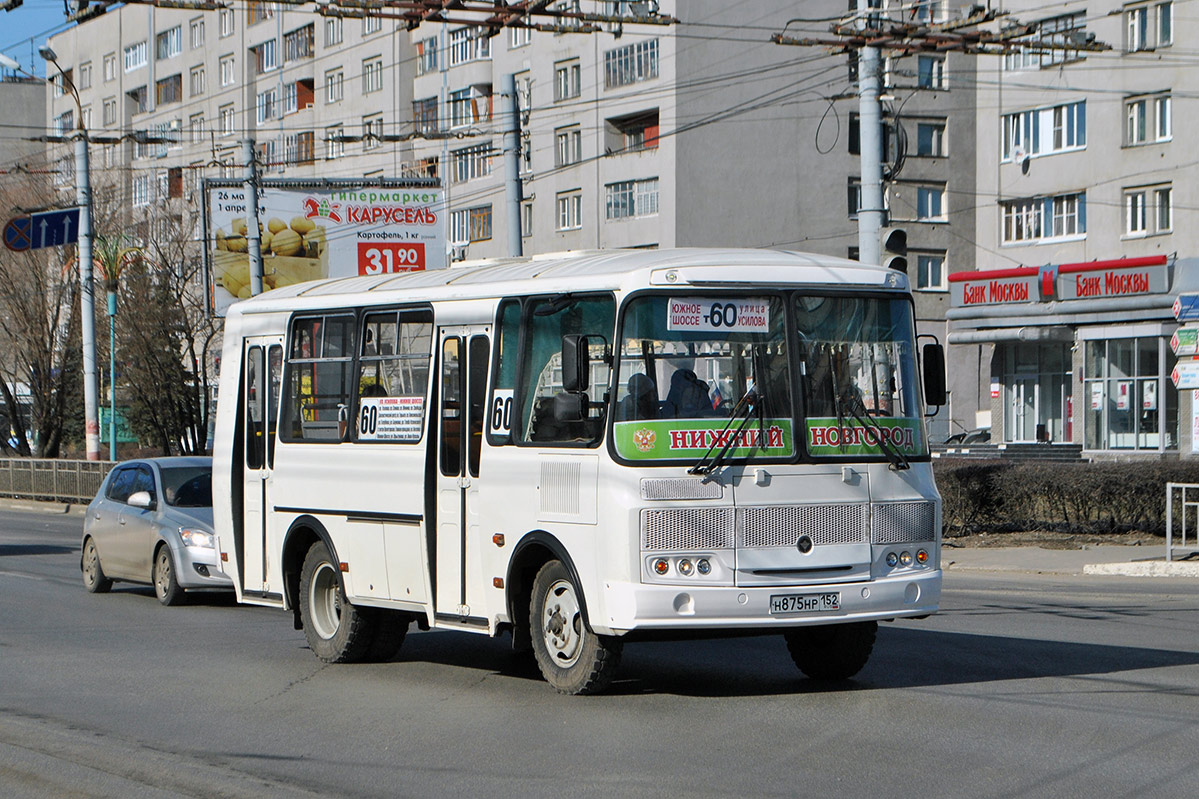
pixel 641 606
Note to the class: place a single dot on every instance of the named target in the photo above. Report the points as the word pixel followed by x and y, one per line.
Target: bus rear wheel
pixel 832 651
pixel 571 657
pixel 337 632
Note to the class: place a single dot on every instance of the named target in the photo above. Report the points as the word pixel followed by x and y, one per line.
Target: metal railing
pixel 73 482
pixel 1189 497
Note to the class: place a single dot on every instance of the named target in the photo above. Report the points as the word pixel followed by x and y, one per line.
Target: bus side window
pixel 318 388
pixel 503 381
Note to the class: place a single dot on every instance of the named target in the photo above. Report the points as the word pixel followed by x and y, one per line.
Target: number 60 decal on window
pixel 499 412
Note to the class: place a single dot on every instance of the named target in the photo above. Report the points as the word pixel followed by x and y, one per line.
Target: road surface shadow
pixel 11 550
pixel 761 666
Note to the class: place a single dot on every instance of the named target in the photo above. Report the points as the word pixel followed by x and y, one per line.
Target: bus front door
pixel 262 362
pixel 463 355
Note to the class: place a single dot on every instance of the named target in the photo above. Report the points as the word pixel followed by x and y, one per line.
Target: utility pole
pixel 510 110
pixel 870 86
pixel 253 233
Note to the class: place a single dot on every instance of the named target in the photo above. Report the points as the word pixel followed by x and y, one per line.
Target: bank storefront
pixel 1082 352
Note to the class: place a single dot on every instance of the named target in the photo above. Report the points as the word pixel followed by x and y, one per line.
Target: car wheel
pixel 337 632
pixel 832 651
pixel 166 582
pixel 93 573
pixel 571 657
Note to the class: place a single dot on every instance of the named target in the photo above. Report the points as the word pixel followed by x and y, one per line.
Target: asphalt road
pixel 1025 685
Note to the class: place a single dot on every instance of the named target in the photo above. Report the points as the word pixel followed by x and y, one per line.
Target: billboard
pixel 318 229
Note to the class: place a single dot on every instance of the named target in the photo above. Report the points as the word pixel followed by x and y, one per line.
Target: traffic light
pixel 895 249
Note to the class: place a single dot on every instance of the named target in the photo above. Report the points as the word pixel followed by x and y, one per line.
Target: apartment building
pixel 1082 184
pixel 702 133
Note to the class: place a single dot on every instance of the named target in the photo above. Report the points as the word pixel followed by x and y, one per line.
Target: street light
pixel 83 198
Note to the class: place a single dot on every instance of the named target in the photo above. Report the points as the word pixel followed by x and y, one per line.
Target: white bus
pixel 581 450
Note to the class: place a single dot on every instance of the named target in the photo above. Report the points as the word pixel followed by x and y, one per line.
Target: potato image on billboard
pixel 291 253
pixel 276 224
pixel 302 225
pixel 287 242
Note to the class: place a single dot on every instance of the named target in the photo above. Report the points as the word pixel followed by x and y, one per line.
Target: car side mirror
pixel 576 363
pixel 142 499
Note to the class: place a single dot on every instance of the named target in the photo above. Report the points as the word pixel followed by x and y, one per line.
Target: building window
pixel 1147 120
pixel 110 67
pixel 426 56
pixel 335 146
pixel 471 162
pixel 372 131
pixel 1130 404
pixel 930 202
pixel 1148 26
pixel 1164 206
pixel 930 72
pixel 110 111
pixel 930 272
pixel 196 33
pixel 333 31
pixel 568 146
pixel 299 44
pixel 930 139
pixel 1044 218
pixel 371 25
pixel 135 56
pixel 195 128
pixel 259 11
pixel 520 37
pixel 424 115
pixel 1142 219
pixel 264 57
pixel 1069 126
pixel 469 44
pixel 632 132
pixel 632 198
pixel 570 210
pixel 85 76
pixel 470 105
pixel 168 90
pixel 1063 31
pixel 169 43
pixel 631 64
pixel 196 81
pixel 142 192
pixel 1056 128
pixel 300 148
pixel 226 22
pixel 64 123
pixel 470 225
pixel 268 105
pixel 228 120
pixel 1165 24
pixel 853 196
pixel 526 218
pixel 372 75
pixel 567 80
pixel 334 85
pixel 228 73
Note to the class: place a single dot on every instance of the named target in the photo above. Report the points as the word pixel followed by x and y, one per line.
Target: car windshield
pixel 687 363
pixel 187 486
pixel 859 378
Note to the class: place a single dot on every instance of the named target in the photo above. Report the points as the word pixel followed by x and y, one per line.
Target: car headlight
pixel 196 538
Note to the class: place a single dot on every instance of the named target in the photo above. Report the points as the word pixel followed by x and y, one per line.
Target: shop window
pixel 1129 403
pixel 1036 380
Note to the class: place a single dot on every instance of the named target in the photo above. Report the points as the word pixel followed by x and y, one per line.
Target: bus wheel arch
pixel 532 553
pixel 301 535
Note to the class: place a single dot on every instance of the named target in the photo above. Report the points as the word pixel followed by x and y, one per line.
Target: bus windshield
pixel 703 374
pixel 860 392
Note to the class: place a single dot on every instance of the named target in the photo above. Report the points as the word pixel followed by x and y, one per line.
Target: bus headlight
pixel 921 556
pixel 905 558
pixel 704 566
pixel 892 559
pixel 686 567
pixel 661 566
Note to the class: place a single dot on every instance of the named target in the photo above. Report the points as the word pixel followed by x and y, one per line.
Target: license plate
pixel 781 604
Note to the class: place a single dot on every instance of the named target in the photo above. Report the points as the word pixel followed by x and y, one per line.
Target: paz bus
pixel 581 450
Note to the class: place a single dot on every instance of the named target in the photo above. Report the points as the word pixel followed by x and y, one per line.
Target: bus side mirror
pixel 933 359
pixel 570 406
pixel 576 363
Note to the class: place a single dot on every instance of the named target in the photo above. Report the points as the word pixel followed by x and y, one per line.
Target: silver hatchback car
pixel 151 522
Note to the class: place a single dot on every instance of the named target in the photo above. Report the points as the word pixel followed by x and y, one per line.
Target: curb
pixel 41 507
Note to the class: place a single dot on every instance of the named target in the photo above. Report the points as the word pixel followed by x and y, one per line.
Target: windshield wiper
pixel 748 407
pixel 852 403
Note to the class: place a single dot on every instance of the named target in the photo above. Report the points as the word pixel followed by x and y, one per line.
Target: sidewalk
pixel 1143 561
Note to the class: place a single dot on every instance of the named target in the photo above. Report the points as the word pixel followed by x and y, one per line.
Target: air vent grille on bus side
pixel 781 526
pixel 680 488
pixel 903 522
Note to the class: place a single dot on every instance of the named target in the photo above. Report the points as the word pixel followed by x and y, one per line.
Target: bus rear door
pixel 262 364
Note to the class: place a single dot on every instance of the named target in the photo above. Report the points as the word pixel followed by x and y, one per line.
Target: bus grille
pixel 687 528
pixel 781 526
pixel 903 522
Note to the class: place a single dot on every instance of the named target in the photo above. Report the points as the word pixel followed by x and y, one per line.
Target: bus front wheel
pixel 337 632
pixel 832 651
pixel 571 657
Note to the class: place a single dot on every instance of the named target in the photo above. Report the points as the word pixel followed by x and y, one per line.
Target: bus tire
pixel 94 579
pixel 390 629
pixel 337 632
pixel 832 651
pixel 571 657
